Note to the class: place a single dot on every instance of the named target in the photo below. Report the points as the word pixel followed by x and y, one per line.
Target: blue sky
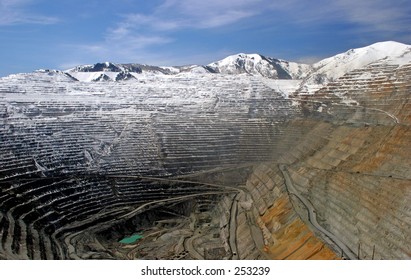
pixel 60 34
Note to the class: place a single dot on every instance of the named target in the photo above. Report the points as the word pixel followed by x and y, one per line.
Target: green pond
pixel 131 239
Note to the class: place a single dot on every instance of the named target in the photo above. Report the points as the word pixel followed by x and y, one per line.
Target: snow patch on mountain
pixel 283 87
pixel 108 71
pixel 332 68
pixel 258 65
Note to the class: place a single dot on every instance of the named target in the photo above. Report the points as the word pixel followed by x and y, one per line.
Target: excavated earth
pixel 221 168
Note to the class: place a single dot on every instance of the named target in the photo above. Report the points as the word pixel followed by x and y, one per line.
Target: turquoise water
pixel 131 239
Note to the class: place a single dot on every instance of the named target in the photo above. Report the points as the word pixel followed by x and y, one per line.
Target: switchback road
pixel 312 215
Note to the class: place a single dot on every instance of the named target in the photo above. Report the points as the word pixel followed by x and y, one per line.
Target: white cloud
pixel 380 15
pixel 369 15
pixel 197 14
pixel 171 15
pixel 136 31
pixel 133 37
pixel 225 18
pixel 117 47
pixel 14 12
pixel 156 23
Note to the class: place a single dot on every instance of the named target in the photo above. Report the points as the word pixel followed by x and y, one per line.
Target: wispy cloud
pixel 174 15
pixel 212 13
pixel 118 46
pixel 377 15
pixel 368 15
pixel 190 14
pixel 14 12
pixel 136 34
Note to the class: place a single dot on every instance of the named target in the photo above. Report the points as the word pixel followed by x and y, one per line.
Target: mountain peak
pixel 98 67
pixel 388 45
pixel 259 65
pixel 252 56
pixel 332 68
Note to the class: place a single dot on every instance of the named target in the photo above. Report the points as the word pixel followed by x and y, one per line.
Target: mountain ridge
pixel 322 72
pixel 257 64
pixel 336 66
pixel 312 75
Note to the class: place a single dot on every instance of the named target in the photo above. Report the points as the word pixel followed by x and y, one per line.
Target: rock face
pixel 206 165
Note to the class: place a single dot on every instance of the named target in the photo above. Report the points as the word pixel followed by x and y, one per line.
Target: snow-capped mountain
pixel 312 77
pixel 332 68
pixel 259 65
pixel 253 64
pixel 108 71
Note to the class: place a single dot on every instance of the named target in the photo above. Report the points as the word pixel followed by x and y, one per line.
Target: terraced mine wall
pixel 221 169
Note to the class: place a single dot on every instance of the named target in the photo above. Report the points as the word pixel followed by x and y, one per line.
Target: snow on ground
pixel 92 76
pixel 284 87
pixel 258 65
pixel 332 68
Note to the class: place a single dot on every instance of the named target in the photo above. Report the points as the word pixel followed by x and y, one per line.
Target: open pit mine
pixel 246 158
